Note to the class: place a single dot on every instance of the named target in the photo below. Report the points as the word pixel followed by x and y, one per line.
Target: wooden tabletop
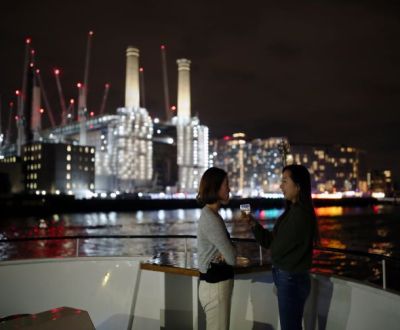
pixel 181 264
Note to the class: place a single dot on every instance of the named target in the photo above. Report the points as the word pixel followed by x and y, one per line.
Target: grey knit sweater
pixel 212 238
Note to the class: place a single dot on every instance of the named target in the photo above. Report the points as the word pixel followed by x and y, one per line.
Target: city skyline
pixel 316 73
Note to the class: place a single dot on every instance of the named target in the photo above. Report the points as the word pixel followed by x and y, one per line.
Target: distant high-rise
pixel 333 168
pixel 254 167
pixel 59 168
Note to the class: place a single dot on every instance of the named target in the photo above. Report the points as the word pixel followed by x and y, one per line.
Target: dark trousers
pixel 293 290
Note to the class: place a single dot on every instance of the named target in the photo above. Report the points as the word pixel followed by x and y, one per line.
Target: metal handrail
pixel 379 257
pixel 357 253
pixel 236 239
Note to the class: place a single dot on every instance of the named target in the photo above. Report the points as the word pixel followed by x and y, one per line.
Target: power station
pixel 126 145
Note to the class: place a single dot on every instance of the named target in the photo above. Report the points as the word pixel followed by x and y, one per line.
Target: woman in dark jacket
pixel 291 242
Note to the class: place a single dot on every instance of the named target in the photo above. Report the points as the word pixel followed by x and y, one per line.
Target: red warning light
pixel 91 113
pixel 11 104
pixel 107 85
pixel 33 52
pixel 91 33
pixel 162 47
pixel 173 108
pixel 41 110
pixel 37 71
pixel 227 138
pixel 17 92
pixel 56 72
pixel 28 40
pixel 16 118
pixel 141 69
pixel 72 101
pixel 79 85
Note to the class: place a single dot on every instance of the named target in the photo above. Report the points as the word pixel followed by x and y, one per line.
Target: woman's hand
pixel 242 261
pixel 218 258
pixel 249 219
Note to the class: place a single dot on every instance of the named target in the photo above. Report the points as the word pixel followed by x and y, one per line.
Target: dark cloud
pixel 315 71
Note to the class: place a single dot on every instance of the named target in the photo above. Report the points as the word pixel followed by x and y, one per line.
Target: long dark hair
pixel 301 176
pixel 210 184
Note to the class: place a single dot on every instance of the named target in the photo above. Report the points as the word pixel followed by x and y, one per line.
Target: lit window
pixel 68 157
pixel 68 167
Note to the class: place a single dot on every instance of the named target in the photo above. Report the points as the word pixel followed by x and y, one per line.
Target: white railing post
pixel 186 252
pixel 77 248
pixel 384 274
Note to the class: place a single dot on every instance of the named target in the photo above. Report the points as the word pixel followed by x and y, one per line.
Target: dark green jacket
pixel 291 241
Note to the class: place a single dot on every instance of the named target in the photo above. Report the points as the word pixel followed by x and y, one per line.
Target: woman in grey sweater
pixel 216 254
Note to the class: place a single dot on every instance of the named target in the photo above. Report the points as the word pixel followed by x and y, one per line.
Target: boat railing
pixel 379 259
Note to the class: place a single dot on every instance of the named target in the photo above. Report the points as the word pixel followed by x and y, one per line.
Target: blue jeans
pixel 293 290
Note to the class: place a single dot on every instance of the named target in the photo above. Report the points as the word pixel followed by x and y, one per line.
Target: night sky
pixel 314 71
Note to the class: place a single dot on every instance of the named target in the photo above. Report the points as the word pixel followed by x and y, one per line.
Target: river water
pixel 374 229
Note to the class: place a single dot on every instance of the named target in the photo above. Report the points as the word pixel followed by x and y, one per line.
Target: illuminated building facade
pixel 333 168
pixel 228 153
pixel 123 142
pixel 192 154
pixel 124 149
pixel 380 182
pixel 124 157
pixel 132 150
pixel 11 175
pixel 59 168
pixel 266 159
pixel 254 167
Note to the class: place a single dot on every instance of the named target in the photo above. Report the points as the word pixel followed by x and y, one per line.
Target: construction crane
pixel 9 127
pixel 83 90
pixel 64 112
pixel 87 63
pixel 48 111
pixel 104 100
pixel 165 83
pixel 71 110
pixel 21 96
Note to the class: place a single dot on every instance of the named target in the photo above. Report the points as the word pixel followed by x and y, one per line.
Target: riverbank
pixel 42 205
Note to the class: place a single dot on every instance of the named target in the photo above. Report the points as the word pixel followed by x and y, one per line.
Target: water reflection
pixel 330 211
pixel 371 229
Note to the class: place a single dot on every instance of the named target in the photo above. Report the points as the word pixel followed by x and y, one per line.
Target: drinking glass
pixel 245 208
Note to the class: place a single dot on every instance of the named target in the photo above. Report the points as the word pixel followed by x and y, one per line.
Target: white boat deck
pixel 118 294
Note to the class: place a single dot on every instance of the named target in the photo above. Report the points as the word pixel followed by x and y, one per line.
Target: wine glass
pixel 245 208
